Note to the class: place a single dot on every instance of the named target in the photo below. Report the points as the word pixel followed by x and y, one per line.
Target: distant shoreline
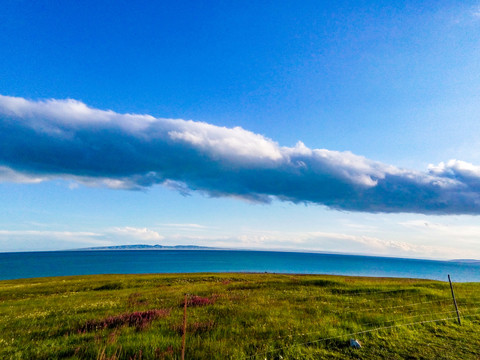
pixel 195 247
pixel 148 247
pixel 157 247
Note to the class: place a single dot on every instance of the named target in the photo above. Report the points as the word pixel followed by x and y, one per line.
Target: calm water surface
pixel 59 263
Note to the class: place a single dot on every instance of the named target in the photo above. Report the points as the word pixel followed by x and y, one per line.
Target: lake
pixel 61 263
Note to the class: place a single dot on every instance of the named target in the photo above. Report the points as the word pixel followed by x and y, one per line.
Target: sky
pixel 346 126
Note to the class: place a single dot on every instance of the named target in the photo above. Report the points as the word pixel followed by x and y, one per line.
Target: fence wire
pixel 356 333
pixel 439 308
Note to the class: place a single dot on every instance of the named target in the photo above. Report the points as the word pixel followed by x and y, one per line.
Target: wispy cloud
pixel 476 12
pixel 41 140
pixel 137 234
pixel 340 242
pixel 14 240
pixel 59 234
pixel 333 242
pixel 439 230
pixel 9 175
pixel 185 226
pixel 50 239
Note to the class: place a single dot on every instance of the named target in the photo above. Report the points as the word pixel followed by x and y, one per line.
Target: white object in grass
pixel 355 343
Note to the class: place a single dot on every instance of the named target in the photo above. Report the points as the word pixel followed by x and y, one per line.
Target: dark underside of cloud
pixel 42 140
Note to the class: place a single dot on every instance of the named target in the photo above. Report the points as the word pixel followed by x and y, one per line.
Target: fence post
pixel 184 326
pixel 454 301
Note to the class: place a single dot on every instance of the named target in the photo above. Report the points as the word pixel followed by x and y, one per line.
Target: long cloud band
pixel 40 140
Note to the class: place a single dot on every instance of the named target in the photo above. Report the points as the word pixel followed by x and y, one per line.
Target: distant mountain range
pixel 149 247
pixel 195 247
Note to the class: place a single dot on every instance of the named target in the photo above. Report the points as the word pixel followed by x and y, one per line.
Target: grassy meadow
pixel 237 316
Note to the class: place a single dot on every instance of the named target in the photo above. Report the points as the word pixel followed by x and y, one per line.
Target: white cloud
pixel 9 175
pixel 196 226
pixel 49 239
pixel 235 144
pixel 15 240
pixel 137 234
pixel 476 12
pixel 444 230
pixel 42 140
pixel 185 227
pixel 57 234
pixel 324 241
pixel 336 242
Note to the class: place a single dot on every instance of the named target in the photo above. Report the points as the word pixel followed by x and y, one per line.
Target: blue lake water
pixel 59 263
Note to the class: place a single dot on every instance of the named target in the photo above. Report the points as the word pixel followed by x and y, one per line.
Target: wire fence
pixel 422 308
pixel 354 334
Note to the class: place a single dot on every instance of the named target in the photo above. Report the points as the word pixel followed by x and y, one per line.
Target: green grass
pixel 243 316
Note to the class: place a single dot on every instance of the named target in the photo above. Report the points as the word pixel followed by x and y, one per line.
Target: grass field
pixel 237 316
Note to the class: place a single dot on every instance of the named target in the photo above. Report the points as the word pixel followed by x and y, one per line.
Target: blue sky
pixel 338 126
